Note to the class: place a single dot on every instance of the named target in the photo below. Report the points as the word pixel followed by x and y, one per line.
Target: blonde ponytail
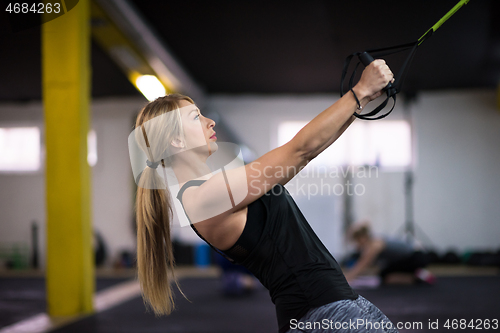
pixel 155 259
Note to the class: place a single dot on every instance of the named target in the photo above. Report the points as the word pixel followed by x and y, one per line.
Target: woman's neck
pixel 189 169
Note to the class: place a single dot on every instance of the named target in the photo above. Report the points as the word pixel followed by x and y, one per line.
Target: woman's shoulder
pixel 184 186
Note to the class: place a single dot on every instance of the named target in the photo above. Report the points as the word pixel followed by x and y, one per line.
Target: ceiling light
pixel 150 87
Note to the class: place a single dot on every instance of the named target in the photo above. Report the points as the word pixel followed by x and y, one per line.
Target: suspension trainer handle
pixel 366 59
pixel 391 90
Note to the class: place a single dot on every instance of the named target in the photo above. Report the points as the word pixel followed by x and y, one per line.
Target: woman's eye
pixel 197 116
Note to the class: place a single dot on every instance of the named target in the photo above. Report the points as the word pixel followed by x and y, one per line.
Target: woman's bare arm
pixel 315 153
pixel 333 138
pixel 367 258
pixel 325 128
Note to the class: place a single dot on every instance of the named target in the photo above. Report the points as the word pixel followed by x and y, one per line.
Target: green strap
pixel 442 20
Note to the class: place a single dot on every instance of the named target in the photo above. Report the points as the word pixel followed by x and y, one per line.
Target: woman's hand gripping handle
pixel 376 78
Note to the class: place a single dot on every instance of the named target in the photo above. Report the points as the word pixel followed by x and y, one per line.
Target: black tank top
pixel 280 248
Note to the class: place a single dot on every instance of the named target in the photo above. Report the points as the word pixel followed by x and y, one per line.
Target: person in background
pixel 398 261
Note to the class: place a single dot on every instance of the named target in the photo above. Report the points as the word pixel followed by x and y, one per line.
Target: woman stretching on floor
pixel 263 229
pixel 397 261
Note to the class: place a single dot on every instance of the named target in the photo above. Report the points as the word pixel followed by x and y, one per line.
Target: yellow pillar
pixel 66 94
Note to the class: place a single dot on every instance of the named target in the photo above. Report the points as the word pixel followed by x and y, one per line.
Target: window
pixel 383 143
pixel 92 148
pixel 19 149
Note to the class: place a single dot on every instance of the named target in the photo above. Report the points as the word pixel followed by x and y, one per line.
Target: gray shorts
pixel 351 316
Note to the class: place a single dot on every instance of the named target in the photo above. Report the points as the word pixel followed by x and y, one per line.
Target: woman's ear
pixel 177 143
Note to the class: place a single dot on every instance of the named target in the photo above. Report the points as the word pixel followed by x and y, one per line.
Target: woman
pixel 261 228
pixel 399 263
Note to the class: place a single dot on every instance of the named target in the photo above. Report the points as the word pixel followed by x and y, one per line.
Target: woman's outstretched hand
pixel 375 77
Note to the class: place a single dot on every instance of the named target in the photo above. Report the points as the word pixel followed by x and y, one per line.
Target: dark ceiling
pixel 286 46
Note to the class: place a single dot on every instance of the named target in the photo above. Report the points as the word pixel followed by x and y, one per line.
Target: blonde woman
pixel 246 212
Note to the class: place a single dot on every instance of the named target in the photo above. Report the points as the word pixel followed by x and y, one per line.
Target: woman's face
pixel 198 129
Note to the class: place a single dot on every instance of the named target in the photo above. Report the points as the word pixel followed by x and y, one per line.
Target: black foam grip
pixel 365 58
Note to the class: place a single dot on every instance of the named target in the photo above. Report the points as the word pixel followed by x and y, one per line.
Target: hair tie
pixel 152 165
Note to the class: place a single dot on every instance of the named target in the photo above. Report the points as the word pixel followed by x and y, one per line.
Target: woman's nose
pixel 211 122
